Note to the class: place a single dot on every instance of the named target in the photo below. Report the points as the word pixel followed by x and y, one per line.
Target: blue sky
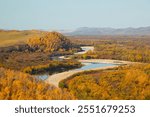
pixel 71 14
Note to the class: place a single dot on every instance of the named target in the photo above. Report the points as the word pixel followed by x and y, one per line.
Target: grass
pixel 9 38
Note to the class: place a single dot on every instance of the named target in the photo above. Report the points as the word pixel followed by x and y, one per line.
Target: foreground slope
pixel 125 83
pixel 19 86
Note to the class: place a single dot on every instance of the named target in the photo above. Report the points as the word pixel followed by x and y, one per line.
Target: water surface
pixel 86 65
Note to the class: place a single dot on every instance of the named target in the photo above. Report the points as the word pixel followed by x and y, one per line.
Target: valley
pixel 49 65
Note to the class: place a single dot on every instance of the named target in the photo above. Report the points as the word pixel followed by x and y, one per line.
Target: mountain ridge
pixel 109 31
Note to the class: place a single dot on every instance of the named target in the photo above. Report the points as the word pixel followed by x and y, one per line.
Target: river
pixel 91 64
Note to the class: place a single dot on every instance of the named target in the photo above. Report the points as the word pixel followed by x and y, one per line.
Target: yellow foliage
pixel 19 86
pixel 128 82
pixel 52 41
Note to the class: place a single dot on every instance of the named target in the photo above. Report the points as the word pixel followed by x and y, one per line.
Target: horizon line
pixel 60 29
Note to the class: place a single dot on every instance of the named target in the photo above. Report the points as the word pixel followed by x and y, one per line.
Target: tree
pixel 52 41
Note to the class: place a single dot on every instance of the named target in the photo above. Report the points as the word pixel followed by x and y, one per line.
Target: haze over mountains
pixel 108 31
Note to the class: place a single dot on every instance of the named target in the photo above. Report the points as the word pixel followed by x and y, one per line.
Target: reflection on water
pixel 85 49
pixel 87 66
pixel 42 77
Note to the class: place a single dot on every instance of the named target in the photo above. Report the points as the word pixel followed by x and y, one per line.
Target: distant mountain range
pixel 108 31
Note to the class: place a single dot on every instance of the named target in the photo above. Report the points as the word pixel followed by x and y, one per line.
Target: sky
pixel 72 14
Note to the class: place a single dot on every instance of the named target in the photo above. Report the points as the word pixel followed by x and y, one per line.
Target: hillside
pixel 19 86
pixel 122 83
pixel 11 37
pixel 50 42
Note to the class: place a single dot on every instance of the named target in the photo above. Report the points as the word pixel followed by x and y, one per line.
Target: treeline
pixel 136 49
pixel 52 66
pixel 19 86
pixel 20 60
pixel 125 83
pixel 36 63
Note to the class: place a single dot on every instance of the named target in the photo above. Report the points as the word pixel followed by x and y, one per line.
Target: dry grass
pixel 9 38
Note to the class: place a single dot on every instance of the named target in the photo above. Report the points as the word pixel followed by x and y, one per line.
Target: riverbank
pixel 117 62
pixel 56 78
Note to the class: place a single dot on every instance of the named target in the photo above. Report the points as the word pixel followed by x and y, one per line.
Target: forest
pixel 52 66
pixel 122 83
pixel 127 82
pixel 15 85
pixel 128 48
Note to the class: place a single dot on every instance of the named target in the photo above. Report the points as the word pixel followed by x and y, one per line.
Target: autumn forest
pixel 36 52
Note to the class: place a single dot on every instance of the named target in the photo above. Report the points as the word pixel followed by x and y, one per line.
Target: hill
pixel 110 31
pixel 12 37
pixel 50 42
